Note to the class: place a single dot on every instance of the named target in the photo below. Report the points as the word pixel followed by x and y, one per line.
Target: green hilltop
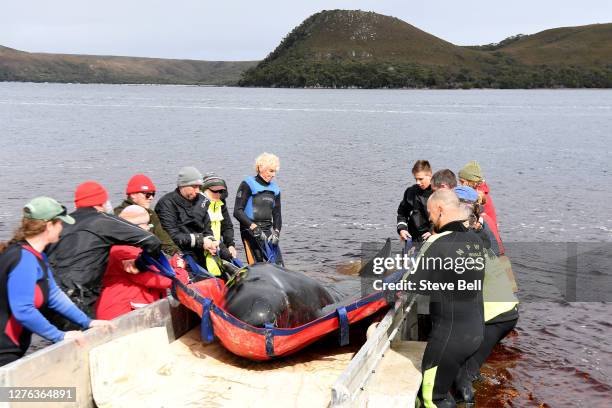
pixel 38 67
pixel 343 48
pixel 347 48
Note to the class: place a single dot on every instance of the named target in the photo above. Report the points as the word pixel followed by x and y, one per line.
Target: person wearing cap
pixel 258 209
pixel 214 191
pixel 471 175
pixel 183 215
pixel 27 284
pixel 412 217
pixel 477 220
pixel 140 190
pixel 123 292
pixel 80 257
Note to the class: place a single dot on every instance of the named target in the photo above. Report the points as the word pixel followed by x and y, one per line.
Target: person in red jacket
pixel 123 292
pixel 471 175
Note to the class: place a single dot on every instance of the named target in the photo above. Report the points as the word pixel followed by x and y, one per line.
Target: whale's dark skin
pixel 270 294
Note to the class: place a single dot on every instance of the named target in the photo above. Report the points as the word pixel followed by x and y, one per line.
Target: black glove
pixel 141 264
pixel 274 237
pixel 259 234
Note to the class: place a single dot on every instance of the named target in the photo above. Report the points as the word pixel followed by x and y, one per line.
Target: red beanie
pixel 139 183
pixel 89 194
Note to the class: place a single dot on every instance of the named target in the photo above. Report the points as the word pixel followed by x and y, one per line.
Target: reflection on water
pixel 559 356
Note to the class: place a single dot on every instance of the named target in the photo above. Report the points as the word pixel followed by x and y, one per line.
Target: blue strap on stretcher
pixel 343 325
pixel 206 328
pixel 269 339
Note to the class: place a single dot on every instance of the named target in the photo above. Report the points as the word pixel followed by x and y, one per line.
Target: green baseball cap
pixel 46 209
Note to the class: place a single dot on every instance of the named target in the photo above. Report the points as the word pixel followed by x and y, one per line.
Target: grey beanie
pixel 189 176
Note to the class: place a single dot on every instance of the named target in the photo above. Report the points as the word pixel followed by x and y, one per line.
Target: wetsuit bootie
pixel 448 402
pixel 465 395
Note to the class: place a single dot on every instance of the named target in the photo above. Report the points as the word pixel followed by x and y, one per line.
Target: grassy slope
pixel 585 45
pixel 347 48
pixel 355 48
pixel 37 67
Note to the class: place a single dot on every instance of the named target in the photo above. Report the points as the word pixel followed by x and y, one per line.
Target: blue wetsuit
pixel 26 286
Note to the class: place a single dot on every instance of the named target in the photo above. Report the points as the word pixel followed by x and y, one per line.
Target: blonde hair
pixel 28 228
pixel 482 198
pixel 473 184
pixel 267 160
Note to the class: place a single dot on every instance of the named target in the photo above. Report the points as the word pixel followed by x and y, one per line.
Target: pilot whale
pixel 273 295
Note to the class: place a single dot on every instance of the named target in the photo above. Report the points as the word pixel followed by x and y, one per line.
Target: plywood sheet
pixel 188 373
pixel 398 377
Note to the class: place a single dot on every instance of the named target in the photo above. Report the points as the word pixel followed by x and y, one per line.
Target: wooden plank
pixel 350 383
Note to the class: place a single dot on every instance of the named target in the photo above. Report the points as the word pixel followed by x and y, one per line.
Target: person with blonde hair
pixel 258 210
pixel 471 175
pixel 27 284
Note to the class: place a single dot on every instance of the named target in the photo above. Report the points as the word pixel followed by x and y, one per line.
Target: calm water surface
pixel 345 161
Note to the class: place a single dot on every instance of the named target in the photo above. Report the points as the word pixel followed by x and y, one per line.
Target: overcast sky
pixel 249 30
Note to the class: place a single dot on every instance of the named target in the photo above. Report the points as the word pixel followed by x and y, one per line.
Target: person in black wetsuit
pixel 412 217
pixel 258 210
pixel 454 255
pixel 500 303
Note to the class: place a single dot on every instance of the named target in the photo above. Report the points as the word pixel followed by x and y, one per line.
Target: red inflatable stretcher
pixel 206 298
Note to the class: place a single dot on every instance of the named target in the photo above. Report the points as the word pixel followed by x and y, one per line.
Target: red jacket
pixel 123 292
pixel 489 208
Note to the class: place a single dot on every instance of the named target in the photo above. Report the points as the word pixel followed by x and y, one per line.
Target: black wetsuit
pixel 456 315
pixel 500 315
pixel 412 215
pixel 495 331
pixel 266 213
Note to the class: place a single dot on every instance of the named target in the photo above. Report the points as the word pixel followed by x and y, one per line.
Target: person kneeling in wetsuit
pixel 449 260
pixel 258 209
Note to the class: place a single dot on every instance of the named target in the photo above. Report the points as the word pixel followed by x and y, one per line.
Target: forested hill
pixel 343 48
